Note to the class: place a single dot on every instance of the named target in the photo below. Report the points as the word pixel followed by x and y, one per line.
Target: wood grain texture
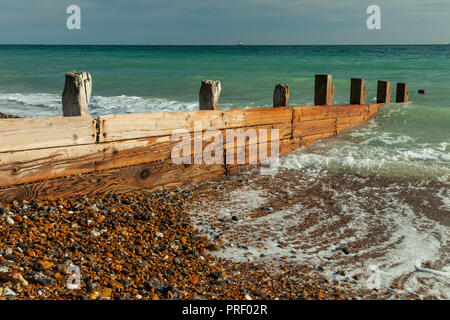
pixel 145 163
pixel 147 177
pixel 308 128
pixel 34 165
pixel 308 113
pixel 41 133
pixel 135 126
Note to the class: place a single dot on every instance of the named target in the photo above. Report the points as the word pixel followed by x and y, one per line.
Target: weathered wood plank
pixel 147 177
pixel 351 110
pixel 135 126
pixel 34 165
pixel 307 113
pixel 40 133
pixel 308 128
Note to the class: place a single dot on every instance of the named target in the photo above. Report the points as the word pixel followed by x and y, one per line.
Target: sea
pixel 389 178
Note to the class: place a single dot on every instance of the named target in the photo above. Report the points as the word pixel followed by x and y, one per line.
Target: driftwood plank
pixel 40 133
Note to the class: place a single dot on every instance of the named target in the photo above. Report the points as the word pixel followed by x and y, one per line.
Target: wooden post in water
pixel 323 90
pixel 402 92
pixel 281 95
pixel 209 94
pixel 383 92
pixel 76 94
pixel 358 91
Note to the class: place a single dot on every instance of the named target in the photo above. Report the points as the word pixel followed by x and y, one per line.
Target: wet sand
pixel 338 225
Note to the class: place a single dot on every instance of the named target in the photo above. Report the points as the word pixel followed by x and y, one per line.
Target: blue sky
pixel 224 22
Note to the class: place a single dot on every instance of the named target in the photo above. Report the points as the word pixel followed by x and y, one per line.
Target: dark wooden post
pixel 281 95
pixel 402 92
pixel 323 90
pixel 209 94
pixel 358 91
pixel 76 94
pixel 383 92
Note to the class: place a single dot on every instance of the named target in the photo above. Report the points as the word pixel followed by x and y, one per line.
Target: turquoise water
pixel 404 140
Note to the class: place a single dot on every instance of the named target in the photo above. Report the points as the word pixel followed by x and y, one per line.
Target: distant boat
pixel 240 43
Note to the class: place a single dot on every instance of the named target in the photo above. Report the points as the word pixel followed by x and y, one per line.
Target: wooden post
pixel 383 92
pixel 76 94
pixel 358 91
pixel 402 92
pixel 281 95
pixel 323 90
pixel 209 94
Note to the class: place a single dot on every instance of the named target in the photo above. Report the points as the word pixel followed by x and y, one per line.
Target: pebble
pixel 18 278
pixel 10 221
pixel 40 278
pixel 7 292
pixel 129 247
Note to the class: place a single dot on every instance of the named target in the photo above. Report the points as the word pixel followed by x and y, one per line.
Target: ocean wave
pixel 47 105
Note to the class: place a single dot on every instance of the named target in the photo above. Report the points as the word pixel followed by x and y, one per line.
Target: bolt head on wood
pixel 209 94
pixel 281 95
pixel 76 94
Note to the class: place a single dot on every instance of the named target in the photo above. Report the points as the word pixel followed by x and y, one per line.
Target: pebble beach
pixel 133 246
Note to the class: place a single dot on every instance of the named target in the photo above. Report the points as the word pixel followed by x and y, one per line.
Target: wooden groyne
pixel 78 154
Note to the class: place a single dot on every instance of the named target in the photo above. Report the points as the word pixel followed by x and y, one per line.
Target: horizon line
pixel 230 45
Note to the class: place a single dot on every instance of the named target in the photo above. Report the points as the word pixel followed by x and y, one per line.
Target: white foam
pixel 47 105
pixel 411 238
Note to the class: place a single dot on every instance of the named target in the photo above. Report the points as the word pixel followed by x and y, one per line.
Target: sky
pixel 224 22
